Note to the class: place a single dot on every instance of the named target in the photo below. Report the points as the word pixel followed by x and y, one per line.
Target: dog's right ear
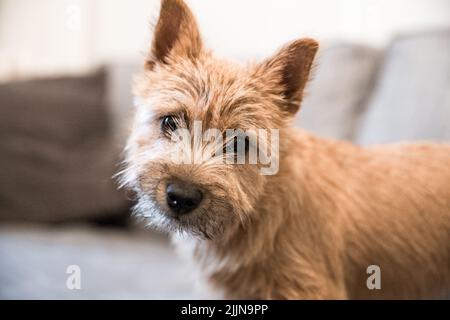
pixel 176 34
pixel 288 71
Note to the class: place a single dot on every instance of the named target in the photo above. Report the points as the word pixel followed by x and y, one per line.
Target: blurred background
pixel 382 75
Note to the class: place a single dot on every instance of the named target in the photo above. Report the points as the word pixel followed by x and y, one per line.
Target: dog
pixel 313 230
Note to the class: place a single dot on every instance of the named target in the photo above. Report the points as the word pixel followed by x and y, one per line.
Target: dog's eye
pixel 233 145
pixel 168 124
pixel 246 144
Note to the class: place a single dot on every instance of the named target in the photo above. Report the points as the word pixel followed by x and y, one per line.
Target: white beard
pixel 185 246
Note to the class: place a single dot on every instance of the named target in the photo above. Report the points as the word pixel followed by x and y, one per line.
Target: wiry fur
pixel 310 231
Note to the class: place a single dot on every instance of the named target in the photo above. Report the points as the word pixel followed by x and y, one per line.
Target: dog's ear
pixel 176 34
pixel 288 70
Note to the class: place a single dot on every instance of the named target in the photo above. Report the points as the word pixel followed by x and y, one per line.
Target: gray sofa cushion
pixel 337 93
pixel 411 100
pixel 120 98
pixel 57 155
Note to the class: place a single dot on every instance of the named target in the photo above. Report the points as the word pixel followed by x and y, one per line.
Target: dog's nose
pixel 183 198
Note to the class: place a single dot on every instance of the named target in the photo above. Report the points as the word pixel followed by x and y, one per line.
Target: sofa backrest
pixel 411 98
pixel 336 95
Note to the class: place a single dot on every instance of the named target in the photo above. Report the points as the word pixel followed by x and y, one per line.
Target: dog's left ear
pixel 287 72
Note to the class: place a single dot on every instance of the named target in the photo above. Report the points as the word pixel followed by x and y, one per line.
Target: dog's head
pixel 183 91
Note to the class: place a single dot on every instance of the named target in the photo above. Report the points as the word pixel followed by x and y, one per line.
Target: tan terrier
pixel 315 228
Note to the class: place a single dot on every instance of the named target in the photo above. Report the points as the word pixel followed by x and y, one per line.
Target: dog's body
pixel 333 210
pixel 310 231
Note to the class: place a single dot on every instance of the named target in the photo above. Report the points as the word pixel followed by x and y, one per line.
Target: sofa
pixel 61 141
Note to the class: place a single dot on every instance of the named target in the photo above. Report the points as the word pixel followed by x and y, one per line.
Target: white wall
pixel 41 36
pixel 50 36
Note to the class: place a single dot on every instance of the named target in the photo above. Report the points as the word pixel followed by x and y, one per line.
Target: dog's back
pixel 405 200
pixel 393 204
